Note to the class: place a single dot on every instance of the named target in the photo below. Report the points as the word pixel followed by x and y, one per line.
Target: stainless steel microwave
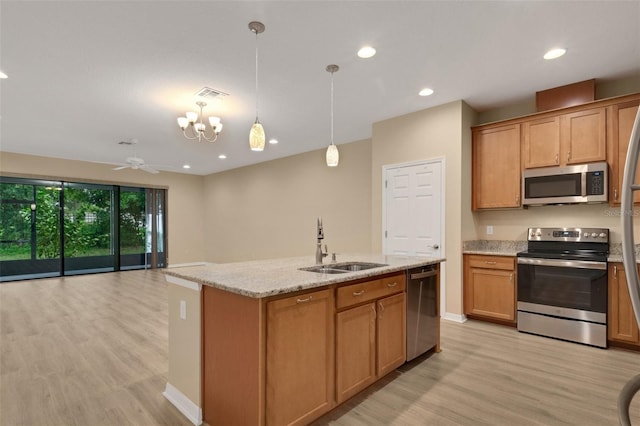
pixel 583 183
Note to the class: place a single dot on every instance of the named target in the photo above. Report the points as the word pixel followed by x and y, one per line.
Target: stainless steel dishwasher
pixel 422 310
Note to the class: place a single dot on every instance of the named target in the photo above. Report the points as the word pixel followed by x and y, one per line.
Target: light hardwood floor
pixel 92 350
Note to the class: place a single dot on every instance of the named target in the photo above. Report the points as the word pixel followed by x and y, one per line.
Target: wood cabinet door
pixel 622 322
pixel 300 358
pixel 496 167
pixel 541 142
pixel 491 293
pixel 392 333
pixel 583 136
pixel 355 350
pixel 621 118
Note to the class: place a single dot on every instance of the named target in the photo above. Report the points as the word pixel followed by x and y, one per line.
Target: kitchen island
pixel 263 342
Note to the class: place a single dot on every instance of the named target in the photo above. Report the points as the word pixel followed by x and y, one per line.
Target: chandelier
pixel 193 127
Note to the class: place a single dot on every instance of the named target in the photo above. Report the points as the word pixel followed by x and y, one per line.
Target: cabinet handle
pixel 615 194
pixel 304 300
pixel 489 262
pixel 375 314
pixel 517 199
pixel 568 156
pixel 393 284
pixel 511 277
pixel 358 293
pixel 381 309
pixel 615 271
pixel 556 158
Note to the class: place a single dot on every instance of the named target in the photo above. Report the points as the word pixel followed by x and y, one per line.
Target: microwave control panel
pixel 595 183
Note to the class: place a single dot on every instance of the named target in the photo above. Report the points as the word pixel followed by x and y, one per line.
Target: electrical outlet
pixel 489 230
pixel 183 309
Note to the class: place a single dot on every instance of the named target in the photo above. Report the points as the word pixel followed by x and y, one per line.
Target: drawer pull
pixel 358 293
pixel 393 284
pixel 304 300
pixel 489 262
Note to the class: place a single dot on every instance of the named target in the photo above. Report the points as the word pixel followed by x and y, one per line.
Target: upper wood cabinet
pixel 557 140
pixel 620 123
pixel 541 142
pixel 496 168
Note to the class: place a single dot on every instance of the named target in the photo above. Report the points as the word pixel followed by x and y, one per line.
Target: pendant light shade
pixel 256 135
pixel 333 156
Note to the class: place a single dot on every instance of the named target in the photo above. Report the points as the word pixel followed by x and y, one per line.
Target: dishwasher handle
pixel 421 275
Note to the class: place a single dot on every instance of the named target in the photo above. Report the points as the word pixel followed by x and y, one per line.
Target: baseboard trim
pixel 182 265
pixel 454 317
pixel 190 410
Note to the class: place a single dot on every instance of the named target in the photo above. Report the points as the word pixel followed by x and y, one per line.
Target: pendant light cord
pixel 332 108
pixel 256 76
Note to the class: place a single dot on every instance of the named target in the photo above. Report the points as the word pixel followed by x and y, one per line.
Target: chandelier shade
pixel 193 128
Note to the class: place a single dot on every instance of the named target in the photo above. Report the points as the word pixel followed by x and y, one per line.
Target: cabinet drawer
pixel 369 290
pixel 492 262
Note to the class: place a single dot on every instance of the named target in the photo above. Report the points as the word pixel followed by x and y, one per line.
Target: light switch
pixel 183 309
pixel 489 230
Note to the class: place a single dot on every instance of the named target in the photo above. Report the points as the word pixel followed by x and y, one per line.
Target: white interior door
pixel 413 209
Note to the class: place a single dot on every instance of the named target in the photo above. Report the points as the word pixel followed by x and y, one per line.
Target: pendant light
pixel 333 156
pixel 256 135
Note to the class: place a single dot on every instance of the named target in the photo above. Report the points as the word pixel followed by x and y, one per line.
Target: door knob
pixel 436 247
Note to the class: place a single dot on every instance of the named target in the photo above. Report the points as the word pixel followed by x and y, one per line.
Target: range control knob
pixel 587 235
pixel 538 234
pixel 603 235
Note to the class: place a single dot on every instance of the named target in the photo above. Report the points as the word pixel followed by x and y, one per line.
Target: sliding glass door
pixel 50 228
pixel 29 229
pixel 89 231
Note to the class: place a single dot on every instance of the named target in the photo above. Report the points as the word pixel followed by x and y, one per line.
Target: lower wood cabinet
pixel 622 326
pixel 490 287
pixel 300 358
pixel 370 337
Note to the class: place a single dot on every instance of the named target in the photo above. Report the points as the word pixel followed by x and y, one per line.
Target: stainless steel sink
pixel 356 266
pixel 341 268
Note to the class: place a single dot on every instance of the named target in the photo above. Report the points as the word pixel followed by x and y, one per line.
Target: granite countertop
pixel 263 278
pixel 615 253
pixel 494 247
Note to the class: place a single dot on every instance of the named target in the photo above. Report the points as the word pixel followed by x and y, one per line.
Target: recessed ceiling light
pixel 186 166
pixel 555 53
pixel 273 141
pixel 366 52
pixel 222 156
pixel 3 75
pixel 425 92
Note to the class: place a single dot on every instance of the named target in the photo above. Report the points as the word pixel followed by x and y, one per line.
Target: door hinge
pixel 385 183
pixel 385 234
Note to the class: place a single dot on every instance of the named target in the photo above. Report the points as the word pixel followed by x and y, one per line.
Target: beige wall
pixel 269 210
pixel 185 216
pixel 431 133
pixel 185 364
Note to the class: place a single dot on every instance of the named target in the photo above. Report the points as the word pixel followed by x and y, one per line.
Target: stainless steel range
pixel 562 284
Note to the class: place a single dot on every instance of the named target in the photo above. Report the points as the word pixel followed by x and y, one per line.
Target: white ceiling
pixel 85 75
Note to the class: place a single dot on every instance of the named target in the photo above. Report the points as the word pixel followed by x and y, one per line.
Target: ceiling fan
pixel 135 162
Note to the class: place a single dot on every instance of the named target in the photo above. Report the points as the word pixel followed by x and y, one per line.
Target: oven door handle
pixel 583 264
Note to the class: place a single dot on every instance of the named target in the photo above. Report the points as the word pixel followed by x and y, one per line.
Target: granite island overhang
pixel 232 298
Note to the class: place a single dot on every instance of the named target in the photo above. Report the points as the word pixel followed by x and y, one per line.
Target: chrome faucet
pixel 319 253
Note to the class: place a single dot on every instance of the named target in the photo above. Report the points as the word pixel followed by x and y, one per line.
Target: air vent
pixel 208 92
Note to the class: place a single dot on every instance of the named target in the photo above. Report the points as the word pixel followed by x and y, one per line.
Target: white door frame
pixel 385 169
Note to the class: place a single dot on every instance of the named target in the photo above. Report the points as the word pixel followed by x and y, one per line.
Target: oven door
pixel 565 288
